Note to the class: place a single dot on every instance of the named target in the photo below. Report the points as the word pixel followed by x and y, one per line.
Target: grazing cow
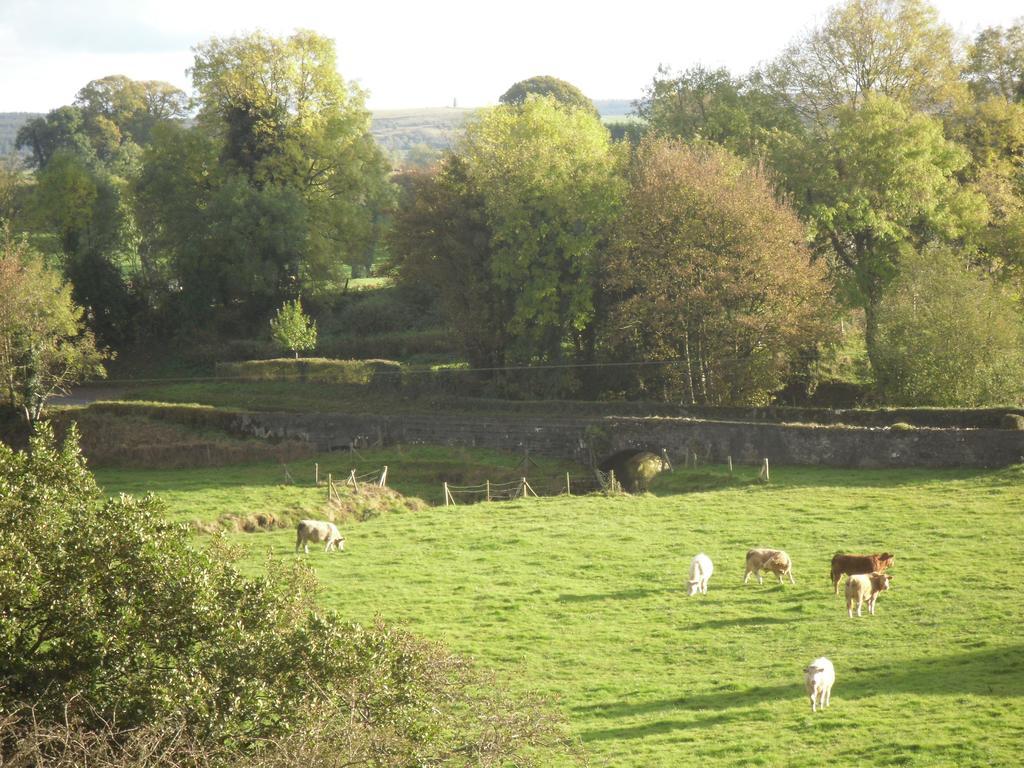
pixel 860 587
pixel 854 564
pixel 819 677
pixel 317 531
pixel 700 571
pixel 774 560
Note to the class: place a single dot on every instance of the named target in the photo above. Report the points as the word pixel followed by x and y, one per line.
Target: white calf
pixel 700 571
pixel 317 531
pixel 819 676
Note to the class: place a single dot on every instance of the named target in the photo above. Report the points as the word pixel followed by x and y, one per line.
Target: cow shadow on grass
pixel 742 621
pixel 990 672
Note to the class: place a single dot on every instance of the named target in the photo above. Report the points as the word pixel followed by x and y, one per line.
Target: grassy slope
pixel 582 599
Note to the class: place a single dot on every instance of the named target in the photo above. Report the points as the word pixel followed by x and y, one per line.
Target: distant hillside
pixel 10 122
pixel 397 130
pixel 613 107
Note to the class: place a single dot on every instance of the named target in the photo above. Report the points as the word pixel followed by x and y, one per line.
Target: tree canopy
pixel 544 85
pixel 44 347
pixel 708 269
pixel 526 197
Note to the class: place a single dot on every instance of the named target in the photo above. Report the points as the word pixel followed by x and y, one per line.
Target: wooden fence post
pixel 384 477
pixel 488 489
pixel 446 494
pixel 330 486
pixel 316 473
pixel 730 464
pixel 764 477
pixel 352 479
pixel 568 488
pixel 611 481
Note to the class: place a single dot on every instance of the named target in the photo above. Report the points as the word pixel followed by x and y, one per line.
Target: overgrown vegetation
pixel 120 635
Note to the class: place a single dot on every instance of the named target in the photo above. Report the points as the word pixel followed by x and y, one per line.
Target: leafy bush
pixel 315 369
pixel 113 628
pixel 947 336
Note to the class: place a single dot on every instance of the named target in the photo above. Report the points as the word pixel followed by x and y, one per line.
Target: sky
pixel 417 54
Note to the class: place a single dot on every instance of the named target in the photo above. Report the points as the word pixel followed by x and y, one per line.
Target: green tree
pixel 896 48
pixel 124 109
pixel 292 329
pixel 524 203
pixel 883 179
pixel 278 187
pixel 709 268
pixel 995 63
pixel 544 85
pixel 948 336
pixel 115 621
pixel 44 347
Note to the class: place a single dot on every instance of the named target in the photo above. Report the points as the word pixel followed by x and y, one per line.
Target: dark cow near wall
pixel 858 564
pixel 635 467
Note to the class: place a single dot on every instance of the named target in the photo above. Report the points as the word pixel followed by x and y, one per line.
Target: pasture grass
pixel 583 599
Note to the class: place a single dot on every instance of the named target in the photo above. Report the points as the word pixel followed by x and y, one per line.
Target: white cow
pixel 819 676
pixel 774 560
pixel 700 571
pixel 317 531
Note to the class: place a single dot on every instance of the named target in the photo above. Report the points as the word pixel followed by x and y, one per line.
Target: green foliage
pixel 314 370
pixel 995 63
pixel 948 336
pixel 508 232
pixel 544 85
pixel 276 189
pixel 895 48
pixel 707 269
pixel 112 618
pixel 44 346
pixel 881 180
pixel 292 329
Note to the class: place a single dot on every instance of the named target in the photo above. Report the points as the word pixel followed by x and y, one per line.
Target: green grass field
pixel 582 599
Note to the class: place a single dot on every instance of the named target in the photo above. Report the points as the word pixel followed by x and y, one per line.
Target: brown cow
pixel 858 564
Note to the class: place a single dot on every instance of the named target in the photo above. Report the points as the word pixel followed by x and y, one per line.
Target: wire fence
pixel 569 485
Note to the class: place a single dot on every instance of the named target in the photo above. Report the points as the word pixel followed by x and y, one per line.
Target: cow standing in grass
pixel 819 677
pixel 318 531
pixel 858 564
pixel 769 560
pixel 700 571
pixel 861 587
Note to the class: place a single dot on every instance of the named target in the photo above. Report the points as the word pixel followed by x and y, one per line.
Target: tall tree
pixel 522 205
pixel 995 63
pixel 709 268
pixel 883 181
pixel 44 346
pixel 280 188
pixel 896 48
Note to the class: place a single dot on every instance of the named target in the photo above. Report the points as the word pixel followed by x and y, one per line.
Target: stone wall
pixel 577 438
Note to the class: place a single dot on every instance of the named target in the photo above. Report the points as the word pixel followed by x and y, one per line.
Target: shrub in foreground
pixel 114 629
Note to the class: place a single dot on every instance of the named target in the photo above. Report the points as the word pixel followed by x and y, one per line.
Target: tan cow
pixel 317 531
pixel 861 587
pixel 770 560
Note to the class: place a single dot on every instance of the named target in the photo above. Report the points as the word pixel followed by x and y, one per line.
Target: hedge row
pixel 314 369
